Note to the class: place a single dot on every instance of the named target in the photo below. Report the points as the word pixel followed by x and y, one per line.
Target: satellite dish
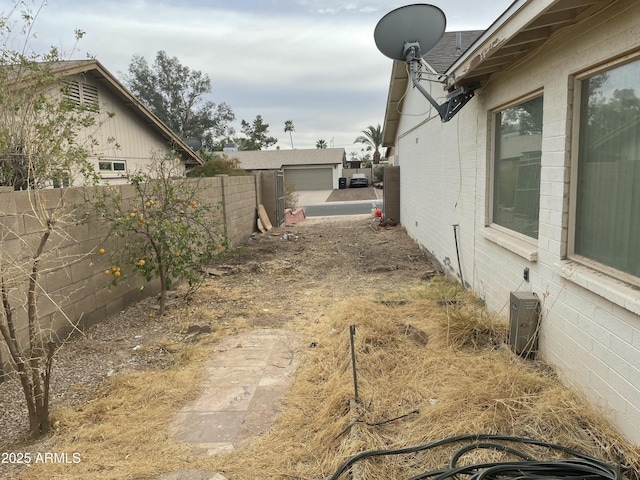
pixel 420 23
pixel 194 143
pixel 409 32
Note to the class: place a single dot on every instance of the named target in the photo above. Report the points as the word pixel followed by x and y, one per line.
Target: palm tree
pixel 373 138
pixel 288 127
pixel 321 144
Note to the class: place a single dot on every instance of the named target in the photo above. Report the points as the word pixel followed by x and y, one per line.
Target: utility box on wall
pixel 524 312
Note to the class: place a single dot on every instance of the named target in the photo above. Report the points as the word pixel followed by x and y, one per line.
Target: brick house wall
pixel 590 325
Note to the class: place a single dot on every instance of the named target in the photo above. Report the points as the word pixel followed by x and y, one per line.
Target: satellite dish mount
pixel 409 32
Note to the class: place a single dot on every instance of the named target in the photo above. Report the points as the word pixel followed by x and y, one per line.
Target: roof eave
pixel 517 34
pixel 397 88
pixel 75 68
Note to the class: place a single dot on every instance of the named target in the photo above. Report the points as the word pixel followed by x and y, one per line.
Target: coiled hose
pixel 580 467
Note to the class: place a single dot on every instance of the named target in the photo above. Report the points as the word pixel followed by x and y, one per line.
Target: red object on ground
pixel 377 213
pixel 291 217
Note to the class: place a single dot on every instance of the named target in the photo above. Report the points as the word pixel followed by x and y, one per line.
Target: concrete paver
pixel 242 394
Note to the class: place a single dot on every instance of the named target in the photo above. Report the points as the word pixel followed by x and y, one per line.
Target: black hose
pixel 581 467
pixel 455 236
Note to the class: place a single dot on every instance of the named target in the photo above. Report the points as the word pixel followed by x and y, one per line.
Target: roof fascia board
pixel 397 83
pixel 504 28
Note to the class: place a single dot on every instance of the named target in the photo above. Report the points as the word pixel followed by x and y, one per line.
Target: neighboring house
pixel 138 133
pixel 307 169
pixel 539 172
pixel 353 163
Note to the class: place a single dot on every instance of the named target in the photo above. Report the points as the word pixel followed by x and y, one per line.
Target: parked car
pixel 359 180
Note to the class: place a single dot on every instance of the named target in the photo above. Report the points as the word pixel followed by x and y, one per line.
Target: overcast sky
pixel 310 61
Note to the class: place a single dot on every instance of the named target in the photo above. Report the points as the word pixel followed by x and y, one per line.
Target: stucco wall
pixel 590 322
pixel 72 269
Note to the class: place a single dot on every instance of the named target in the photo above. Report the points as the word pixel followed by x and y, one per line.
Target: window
pixel 516 172
pixel 112 166
pixel 607 218
pixel 61 181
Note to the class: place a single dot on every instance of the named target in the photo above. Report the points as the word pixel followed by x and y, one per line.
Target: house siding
pixel 136 143
pixel 590 325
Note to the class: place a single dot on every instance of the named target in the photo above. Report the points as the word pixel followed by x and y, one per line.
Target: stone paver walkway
pixel 243 391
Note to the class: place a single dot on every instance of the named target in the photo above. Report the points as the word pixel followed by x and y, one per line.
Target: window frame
pixel 576 83
pixel 515 241
pixel 111 172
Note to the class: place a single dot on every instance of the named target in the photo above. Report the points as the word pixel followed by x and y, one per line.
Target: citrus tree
pixel 168 231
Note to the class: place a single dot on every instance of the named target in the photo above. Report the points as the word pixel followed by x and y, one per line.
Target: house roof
pixel 440 58
pixel 276 159
pixel 95 70
pixel 517 34
pixel 449 48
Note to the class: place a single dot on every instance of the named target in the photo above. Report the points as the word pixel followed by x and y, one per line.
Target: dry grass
pixel 456 386
pixel 123 432
pixel 427 370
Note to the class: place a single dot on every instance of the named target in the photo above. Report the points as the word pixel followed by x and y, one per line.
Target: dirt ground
pixel 288 277
pixel 117 387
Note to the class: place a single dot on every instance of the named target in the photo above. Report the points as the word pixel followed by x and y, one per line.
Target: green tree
pixel 256 135
pixel 378 173
pixel 176 94
pixel 171 233
pixel 372 137
pixel 45 140
pixel 321 144
pixel 216 164
pixel 289 127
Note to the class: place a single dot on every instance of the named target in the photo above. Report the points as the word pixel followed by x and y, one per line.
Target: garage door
pixel 310 178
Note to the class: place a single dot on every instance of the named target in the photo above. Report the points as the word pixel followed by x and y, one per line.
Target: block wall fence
pixel 72 270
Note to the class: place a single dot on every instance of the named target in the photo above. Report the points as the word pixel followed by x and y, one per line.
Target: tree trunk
pixel 37 409
pixel 29 362
pixel 163 287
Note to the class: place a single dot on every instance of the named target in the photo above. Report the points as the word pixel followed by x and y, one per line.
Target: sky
pixel 313 62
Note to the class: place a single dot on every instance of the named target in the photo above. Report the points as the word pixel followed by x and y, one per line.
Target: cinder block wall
pixel 72 270
pixel 239 199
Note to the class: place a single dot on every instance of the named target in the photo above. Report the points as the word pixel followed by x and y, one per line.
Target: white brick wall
pixel 591 327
